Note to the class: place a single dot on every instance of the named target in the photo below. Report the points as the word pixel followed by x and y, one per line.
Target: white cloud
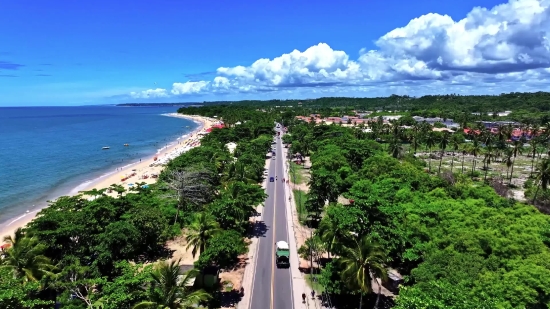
pixel 509 37
pixel 189 87
pixel 150 93
pixel 508 45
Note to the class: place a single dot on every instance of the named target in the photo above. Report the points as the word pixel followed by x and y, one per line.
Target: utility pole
pixel 311 255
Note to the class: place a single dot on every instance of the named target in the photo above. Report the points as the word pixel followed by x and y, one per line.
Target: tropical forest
pixel 400 202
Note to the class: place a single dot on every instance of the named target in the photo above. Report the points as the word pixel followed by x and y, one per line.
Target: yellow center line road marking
pixel 274 235
pixel 256 254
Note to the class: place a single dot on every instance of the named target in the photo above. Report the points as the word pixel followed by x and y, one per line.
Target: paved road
pixel 272 286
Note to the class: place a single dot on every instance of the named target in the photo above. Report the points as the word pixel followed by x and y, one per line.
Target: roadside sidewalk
pixel 299 284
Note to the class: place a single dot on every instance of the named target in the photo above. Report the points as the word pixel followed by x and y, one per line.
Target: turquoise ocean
pixel 47 152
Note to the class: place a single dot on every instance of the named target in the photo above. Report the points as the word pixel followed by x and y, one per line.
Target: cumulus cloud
pixel 189 87
pixel 150 93
pixel 510 37
pixel 508 43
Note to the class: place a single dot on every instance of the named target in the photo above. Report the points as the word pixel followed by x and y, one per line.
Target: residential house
pixel 449 123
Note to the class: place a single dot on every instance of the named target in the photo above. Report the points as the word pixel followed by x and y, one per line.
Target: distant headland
pixel 161 104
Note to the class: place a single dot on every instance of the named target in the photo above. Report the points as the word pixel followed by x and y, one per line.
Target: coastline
pixel 139 168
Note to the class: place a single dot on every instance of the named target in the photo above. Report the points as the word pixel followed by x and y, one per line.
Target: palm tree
pixel 505 132
pixel 456 143
pixel 508 155
pixel 241 171
pixel 219 160
pixel 534 144
pixel 542 176
pixel 396 129
pixel 443 142
pixel 464 148
pixel 517 148
pixel 430 143
pixel 169 289
pixel 395 148
pixel 25 257
pixel 415 141
pixel 475 149
pixel 330 233
pixel 363 264
pixel 202 229
pixel 489 154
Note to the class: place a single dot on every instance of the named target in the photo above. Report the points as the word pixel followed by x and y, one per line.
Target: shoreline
pixel 109 177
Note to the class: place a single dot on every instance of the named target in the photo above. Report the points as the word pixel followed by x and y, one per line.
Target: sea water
pixel 46 152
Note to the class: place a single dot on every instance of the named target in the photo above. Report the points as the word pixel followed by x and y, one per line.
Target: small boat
pixel 106 147
pixel 126 145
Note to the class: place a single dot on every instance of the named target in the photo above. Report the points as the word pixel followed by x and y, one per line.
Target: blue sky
pixel 76 52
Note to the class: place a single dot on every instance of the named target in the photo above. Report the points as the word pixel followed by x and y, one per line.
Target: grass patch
pixel 315 285
pixel 300 200
pixel 296 173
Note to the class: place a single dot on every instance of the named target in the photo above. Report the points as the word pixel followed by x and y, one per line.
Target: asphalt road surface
pixel 272 286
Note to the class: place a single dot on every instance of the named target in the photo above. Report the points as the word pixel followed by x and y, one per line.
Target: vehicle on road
pixel 282 254
pixel 271 179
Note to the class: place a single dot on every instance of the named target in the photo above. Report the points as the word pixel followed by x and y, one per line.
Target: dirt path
pixel 301 233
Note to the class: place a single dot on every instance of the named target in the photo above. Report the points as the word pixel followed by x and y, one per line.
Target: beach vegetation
pixel 222 250
pixel 363 264
pixel 192 187
pixel 18 294
pixel 203 228
pixel 25 257
pixel 170 288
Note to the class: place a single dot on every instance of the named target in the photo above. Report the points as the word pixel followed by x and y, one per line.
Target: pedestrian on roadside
pixel 312 294
pixel 304 298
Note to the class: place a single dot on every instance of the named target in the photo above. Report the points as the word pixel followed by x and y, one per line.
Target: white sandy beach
pixel 138 172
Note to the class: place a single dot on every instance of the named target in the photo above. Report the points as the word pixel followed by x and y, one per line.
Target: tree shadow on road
pixel 257 229
pixel 230 298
